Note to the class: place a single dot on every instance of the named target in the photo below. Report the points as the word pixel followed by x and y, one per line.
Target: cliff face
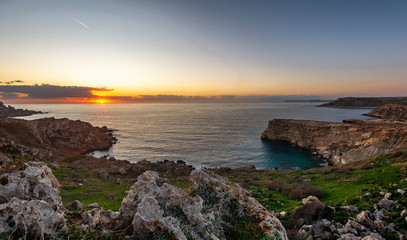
pixel 389 111
pixel 339 143
pixel 44 138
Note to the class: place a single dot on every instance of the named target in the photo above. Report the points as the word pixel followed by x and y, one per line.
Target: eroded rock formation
pixel 339 143
pixel 47 137
pixel 30 202
pixel 153 205
pixel 389 111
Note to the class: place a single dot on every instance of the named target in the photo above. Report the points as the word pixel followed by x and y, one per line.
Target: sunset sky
pixel 132 50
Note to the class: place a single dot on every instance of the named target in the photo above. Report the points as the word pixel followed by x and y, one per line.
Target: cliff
pixel 48 137
pixel 9 111
pixel 389 111
pixel 339 143
pixel 360 102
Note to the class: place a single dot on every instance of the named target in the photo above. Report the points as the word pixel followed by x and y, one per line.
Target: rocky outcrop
pixel 365 102
pixel 339 143
pixel 47 137
pixel 76 136
pixel 152 205
pixel 389 111
pixel 366 225
pixel 226 191
pixel 9 111
pixel 30 202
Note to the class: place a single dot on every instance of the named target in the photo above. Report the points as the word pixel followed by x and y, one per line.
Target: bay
pixel 201 134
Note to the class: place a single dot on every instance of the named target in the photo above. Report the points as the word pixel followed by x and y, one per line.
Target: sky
pixel 129 50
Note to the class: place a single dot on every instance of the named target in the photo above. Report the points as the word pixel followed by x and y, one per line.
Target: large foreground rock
pixel 34 217
pixel 36 181
pixel 226 191
pixel 30 202
pixel 340 143
pixel 152 206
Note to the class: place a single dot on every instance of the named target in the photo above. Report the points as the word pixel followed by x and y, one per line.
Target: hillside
pixel 361 102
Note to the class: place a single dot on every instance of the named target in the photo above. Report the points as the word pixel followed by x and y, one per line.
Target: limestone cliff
pixel 389 111
pixel 339 143
pixel 47 137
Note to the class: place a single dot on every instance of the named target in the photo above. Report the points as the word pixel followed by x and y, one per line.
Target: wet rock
pixel 74 205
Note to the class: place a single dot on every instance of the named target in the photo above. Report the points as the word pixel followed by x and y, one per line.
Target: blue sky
pixel 207 48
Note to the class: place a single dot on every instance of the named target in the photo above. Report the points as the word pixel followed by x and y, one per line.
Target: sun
pixel 102 101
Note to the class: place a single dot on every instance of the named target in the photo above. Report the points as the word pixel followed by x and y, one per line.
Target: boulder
pixel 386 204
pixel 98 219
pixel 33 217
pixel 35 182
pixel 94 205
pixel 75 205
pixel 153 204
pixel 103 174
pixel 226 191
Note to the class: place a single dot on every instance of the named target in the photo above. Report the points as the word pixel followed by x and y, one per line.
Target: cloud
pixel 11 82
pixel 46 91
pixel 83 94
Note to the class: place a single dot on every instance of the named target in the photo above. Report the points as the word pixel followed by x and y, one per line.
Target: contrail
pixel 81 23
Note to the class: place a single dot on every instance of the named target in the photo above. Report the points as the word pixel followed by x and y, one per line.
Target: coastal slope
pixel 339 143
pixel 389 111
pixel 365 102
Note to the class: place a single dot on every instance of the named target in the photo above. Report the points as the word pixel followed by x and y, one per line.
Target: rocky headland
pixel 9 111
pixel 365 102
pixel 49 189
pixel 340 143
pixel 389 111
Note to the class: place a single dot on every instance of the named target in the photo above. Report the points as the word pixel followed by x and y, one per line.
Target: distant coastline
pixel 307 100
pixel 364 102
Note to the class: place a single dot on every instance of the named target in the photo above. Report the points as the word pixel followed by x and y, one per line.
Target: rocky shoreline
pixel 172 200
pixel 9 111
pixel 340 143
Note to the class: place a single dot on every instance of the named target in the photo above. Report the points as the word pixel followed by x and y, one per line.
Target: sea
pixel 201 134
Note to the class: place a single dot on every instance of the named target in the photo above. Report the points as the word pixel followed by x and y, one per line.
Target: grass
pixel 82 185
pixel 345 185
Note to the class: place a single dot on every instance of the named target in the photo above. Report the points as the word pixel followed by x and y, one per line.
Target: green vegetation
pixel 344 185
pixel 85 186
pixel 277 190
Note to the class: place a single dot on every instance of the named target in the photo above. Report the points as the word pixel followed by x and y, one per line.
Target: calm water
pixel 202 134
